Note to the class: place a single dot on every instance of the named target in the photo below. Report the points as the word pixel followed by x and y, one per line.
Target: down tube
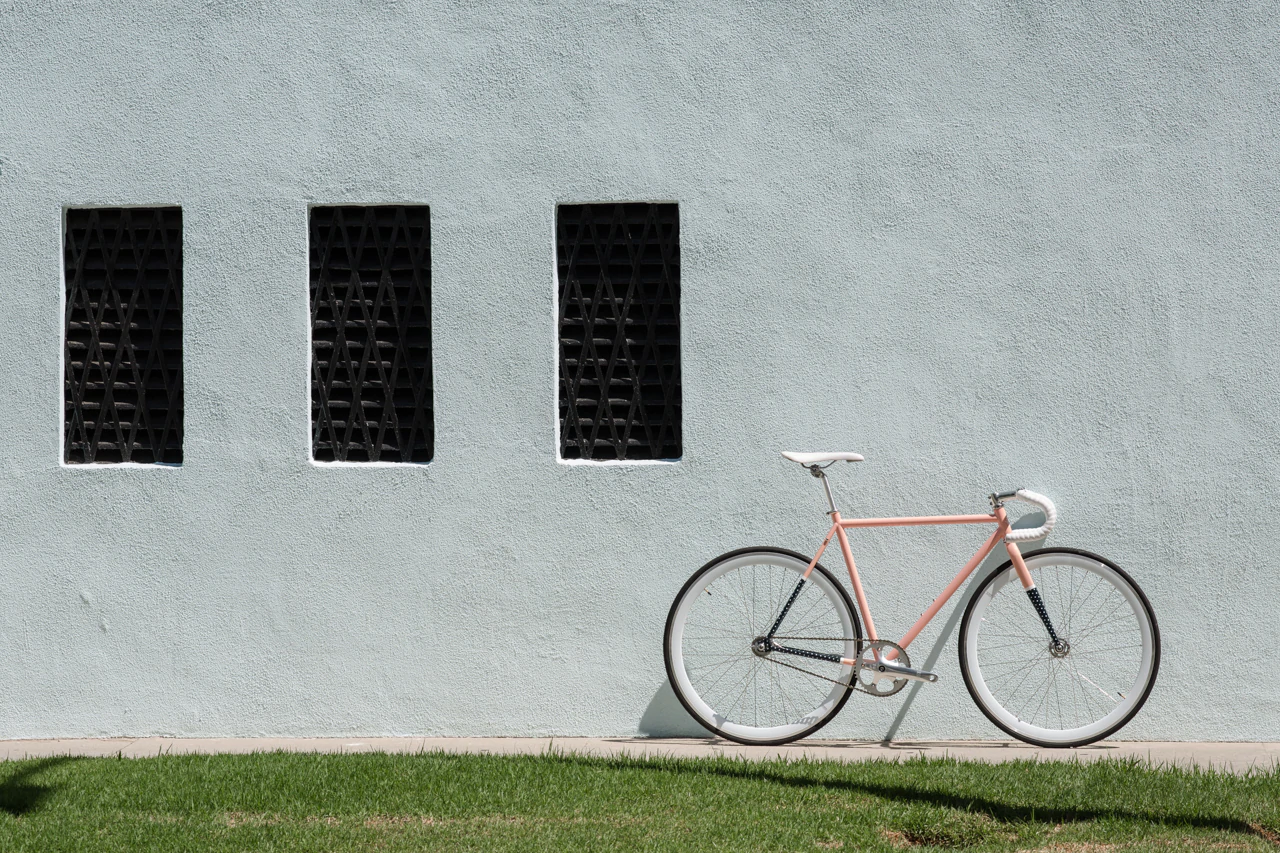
pixel 955 584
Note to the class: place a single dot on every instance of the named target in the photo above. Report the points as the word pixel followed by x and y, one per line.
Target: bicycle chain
pixel 856 682
pixel 851 686
pixel 833 639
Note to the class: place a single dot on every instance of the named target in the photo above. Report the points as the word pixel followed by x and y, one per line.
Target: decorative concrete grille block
pixel 123 335
pixel 619 267
pixel 371 378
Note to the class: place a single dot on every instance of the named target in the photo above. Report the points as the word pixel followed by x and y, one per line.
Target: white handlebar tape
pixel 1050 518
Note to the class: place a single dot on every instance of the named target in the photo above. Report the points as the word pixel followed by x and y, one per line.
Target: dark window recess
pixel 371 381
pixel 619 268
pixel 123 356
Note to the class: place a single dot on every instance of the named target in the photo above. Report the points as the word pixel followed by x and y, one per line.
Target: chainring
pixel 870 681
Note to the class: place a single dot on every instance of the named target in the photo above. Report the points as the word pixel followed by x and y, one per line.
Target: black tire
pixel 969 681
pixel 667 645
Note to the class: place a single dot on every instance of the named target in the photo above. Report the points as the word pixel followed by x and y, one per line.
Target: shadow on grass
pixel 1003 812
pixel 18 796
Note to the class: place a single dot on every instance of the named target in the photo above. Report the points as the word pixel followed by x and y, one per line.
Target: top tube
pixel 918 521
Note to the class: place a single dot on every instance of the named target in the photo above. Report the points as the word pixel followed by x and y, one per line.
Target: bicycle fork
pixel 1058 647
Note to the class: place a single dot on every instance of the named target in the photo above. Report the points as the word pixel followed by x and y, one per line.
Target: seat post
pixel 817 472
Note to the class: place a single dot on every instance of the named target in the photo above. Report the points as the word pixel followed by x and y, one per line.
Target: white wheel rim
pixel 1079 687
pixel 720 721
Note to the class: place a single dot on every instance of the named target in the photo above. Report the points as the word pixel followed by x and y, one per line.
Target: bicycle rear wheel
pixel 1078 691
pixel 757 695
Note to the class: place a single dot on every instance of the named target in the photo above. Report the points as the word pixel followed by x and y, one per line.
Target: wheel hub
pixel 1059 648
pixel 761 646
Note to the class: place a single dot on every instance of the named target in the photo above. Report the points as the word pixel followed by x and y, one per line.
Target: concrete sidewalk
pixel 1236 757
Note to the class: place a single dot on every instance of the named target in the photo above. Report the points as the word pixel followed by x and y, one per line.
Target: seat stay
pixel 777 623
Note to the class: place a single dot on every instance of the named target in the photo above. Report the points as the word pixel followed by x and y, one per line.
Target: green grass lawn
pixel 278 801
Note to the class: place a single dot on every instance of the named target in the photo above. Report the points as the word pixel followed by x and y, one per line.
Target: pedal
pixel 897 670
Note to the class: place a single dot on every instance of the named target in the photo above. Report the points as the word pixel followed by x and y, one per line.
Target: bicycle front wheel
pixel 724 669
pixel 1079 690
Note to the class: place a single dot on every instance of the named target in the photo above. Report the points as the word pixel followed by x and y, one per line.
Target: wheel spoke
pixel 728 686
pixel 1065 695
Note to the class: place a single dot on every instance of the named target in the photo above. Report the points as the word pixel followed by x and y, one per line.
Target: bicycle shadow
pixel 666 717
pixel 18 796
pixel 901 794
pixel 994 560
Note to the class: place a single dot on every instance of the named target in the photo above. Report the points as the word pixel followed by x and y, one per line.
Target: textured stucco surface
pixel 985 245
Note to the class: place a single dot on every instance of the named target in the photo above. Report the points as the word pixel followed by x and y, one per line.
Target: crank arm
pixel 897 670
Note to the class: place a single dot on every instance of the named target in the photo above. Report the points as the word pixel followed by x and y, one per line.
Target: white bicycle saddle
pixel 814 458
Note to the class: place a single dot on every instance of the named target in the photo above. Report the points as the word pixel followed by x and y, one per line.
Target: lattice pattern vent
pixel 371 379
pixel 123 352
pixel 619 268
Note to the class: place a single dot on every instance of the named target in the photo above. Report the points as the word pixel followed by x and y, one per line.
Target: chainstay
pixel 849 685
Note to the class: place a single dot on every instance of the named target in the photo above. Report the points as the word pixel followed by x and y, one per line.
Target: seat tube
pixel 853 577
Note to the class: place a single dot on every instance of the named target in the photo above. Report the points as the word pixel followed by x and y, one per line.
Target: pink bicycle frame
pixel 997 517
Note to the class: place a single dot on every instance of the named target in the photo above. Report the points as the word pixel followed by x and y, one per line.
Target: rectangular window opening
pixel 371 371
pixel 122 355
pixel 619 331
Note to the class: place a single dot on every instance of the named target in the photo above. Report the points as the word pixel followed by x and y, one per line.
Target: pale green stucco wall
pixel 1037 247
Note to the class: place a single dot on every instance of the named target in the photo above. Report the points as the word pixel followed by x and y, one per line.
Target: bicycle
pixel 763 645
